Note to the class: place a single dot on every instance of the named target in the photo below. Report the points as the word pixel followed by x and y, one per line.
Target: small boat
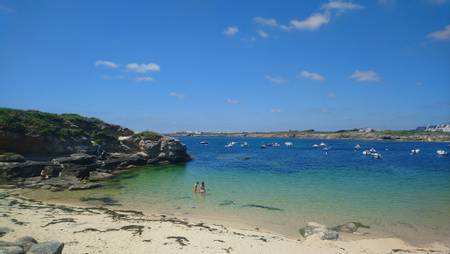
pixel 288 144
pixel 275 144
pixel 263 146
pixel 366 152
pixel 442 152
pixel 322 144
pixel 315 145
pixel 325 148
pixel 204 142
pixel 376 155
pixel 372 150
pixel 229 145
pixel 233 143
pixel 245 144
pixel 357 147
pixel 415 151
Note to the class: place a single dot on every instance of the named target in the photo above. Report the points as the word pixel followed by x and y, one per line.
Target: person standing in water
pixel 202 188
pixel 195 187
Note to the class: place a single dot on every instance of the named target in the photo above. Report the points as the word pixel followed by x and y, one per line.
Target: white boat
pixel 366 152
pixel 372 150
pixel 315 145
pixel 233 143
pixel 263 146
pixel 415 151
pixel 442 152
pixel 245 144
pixel 357 147
pixel 229 145
pixel 376 155
pixel 322 144
pixel 288 144
pixel 275 144
pixel 204 142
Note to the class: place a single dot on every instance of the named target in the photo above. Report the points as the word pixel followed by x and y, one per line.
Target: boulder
pixel 50 247
pixel 26 242
pixel 123 161
pixel 173 150
pixel 4 231
pixel 13 249
pixel 152 148
pixel 84 186
pixel 76 158
pixel 314 228
pixel 21 169
pixel 11 157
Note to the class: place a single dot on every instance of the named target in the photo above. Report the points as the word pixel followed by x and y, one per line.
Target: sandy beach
pixel 106 230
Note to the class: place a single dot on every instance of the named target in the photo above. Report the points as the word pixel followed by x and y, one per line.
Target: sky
pixel 229 65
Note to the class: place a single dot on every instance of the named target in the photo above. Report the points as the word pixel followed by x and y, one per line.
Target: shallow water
pixel 282 188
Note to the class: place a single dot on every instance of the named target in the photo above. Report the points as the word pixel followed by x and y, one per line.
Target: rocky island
pixel 51 151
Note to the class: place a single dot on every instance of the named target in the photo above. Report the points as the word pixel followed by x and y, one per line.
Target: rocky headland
pixel 69 151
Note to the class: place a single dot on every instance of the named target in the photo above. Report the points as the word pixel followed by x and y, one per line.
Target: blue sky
pixel 230 65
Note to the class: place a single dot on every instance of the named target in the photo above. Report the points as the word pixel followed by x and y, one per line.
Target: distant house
pixel 439 127
pixel 365 130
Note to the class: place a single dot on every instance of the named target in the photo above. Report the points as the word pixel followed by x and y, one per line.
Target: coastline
pixel 96 229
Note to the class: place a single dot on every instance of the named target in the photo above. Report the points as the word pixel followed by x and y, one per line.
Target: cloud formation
pixel 231 31
pixel 275 110
pixel 365 76
pixel 176 95
pixel 144 79
pixel 107 64
pixel 310 75
pixel 313 22
pixel 263 34
pixel 232 101
pixel 266 21
pixel 276 80
pixel 341 6
pixel 143 68
pixel 441 35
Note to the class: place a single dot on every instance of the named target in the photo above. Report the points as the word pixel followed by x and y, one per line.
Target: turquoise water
pixel 282 188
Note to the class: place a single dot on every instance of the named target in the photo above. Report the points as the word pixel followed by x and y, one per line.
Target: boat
pixel 372 150
pixel 263 146
pixel 245 144
pixel 373 153
pixel 376 155
pixel 322 144
pixel 233 143
pixel 325 148
pixel 229 145
pixel 275 144
pixel 315 145
pixel 366 152
pixel 357 147
pixel 415 151
pixel 204 142
pixel 289 144
pixel 442 152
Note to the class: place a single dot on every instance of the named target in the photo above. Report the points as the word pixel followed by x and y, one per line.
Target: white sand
pixel 99 230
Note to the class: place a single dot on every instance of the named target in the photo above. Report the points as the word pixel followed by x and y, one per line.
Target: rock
pixel 50 247
pixel 11 157
pixel 26 242
pixel 76 158
pixel 350 227
pixel 173 150
pixel 85 186
pixel 13 249
pixel 97 176
pixel 123 161
pixel 152 148
pixel 314 228
pixel 4 231
pixel 21 169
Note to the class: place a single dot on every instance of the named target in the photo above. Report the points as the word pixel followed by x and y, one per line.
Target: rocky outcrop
pixel 28 244
pixel 74 147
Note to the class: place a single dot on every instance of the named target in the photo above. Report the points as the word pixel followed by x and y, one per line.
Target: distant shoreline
pixel 418 136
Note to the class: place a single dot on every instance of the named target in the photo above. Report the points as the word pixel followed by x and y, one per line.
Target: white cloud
pixel 276 80
pixel 144 79
pixel 331 95
pixel 5 9
pixel 265 21
pixel 365 75
pixel 176 95
pixel 311 75
pixel 263 34
pixel 341 6
pixel 313 22
pixel 442 35
pixel 107 64
pixel 142 68
pixel 231 31
pixel 232 101
pixel 275 110
pixel 438 2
